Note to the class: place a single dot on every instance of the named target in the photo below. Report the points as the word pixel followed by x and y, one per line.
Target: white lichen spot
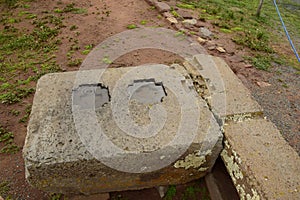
pixel 240 117
pixel 255 195
pixel 232 167
pixel 203 169
pixel 241 192
pixel 227 144
pixel 194 160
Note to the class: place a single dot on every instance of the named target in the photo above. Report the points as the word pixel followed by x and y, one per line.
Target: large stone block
pixel 119 129
pixel 260 162
pixel 228 96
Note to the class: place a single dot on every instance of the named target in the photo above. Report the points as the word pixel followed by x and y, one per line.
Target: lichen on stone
pixel 232 165
pixel 194 160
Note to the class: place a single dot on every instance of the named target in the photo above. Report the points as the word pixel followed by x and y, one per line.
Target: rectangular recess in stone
pixel 147 91
pixel 90 96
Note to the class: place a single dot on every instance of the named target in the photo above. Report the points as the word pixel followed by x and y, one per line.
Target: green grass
pixel 238 19
pixel 4 189
pixel 56 196
pixel 7 144
pixel 27 113
pixel 70 8
pixel 131 26
pixel 193 192
pixel 171 192
pixel 30 53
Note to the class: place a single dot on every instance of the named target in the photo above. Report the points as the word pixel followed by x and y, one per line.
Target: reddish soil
pixel 280 100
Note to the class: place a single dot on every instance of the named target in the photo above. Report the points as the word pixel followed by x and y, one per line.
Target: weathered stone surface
pixel 221 50
pixel 201 40
pixel 185 14
pixel 228 95
pixel 205 33
pixel 161 6
pixel 172 20
pixel 58 159
pixel 260 162
pixel 103 196
pixel 190 21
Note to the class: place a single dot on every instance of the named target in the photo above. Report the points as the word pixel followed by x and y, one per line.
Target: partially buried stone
pixel 162 7
pixel 190 21
pixel 205 33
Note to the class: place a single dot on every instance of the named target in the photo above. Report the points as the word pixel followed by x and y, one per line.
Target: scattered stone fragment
pixel 263 84
pixel 201 40
pixel 190 21
pixel 173 20
pixel 236 59
pixel 1 198
pixel 184 14
pixel 162 190
pixel 211 48
pixel 211 43
pixel 221 50
pixel 205 33
pixel 167 14
pixel 248 66
pixel 162 7
pixel 178 26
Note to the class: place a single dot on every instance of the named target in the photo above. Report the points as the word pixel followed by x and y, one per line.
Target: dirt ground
pixel 280 100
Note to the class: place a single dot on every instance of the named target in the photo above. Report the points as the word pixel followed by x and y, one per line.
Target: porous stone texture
pixel 205 33
pixel 260 162
pixel 227 94
pixel 58 159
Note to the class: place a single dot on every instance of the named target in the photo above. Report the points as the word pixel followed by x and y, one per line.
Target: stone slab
pixel 260 162
pixel 228 95
pixel 58 159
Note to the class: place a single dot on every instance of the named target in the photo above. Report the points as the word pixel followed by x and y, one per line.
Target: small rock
pixel 162 7
pixel 190 21
pixel 178 26
pixel 1 198
pixel 211 43
pixel 221 50
pixel 236 59
pixel 263 84
pixel 162 190
pixel 205 33
pixel 184 13
pixel 167 14
pixel 201 40
pixel 211 48
pixel 173 20
pixel 248 66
